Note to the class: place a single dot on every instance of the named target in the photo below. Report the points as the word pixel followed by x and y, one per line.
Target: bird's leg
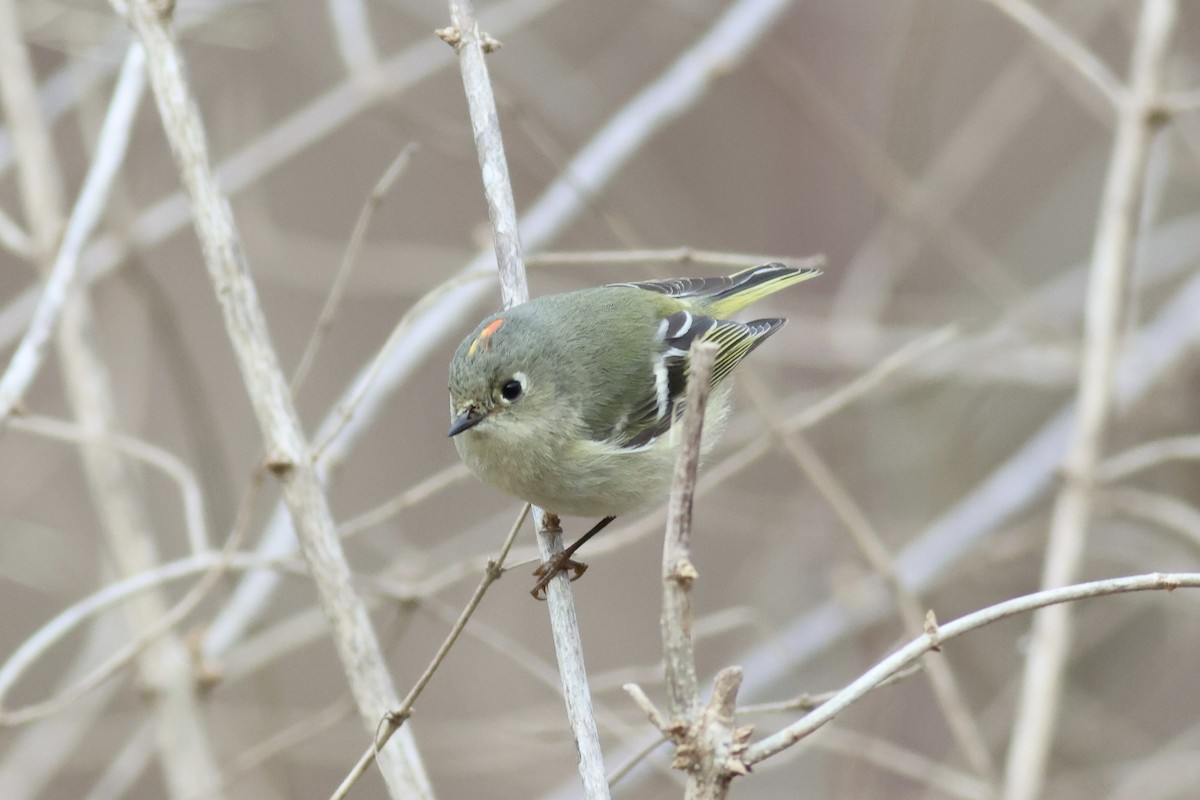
pixel 561 562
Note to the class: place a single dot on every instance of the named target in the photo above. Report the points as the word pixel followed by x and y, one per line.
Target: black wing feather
pixel 657 413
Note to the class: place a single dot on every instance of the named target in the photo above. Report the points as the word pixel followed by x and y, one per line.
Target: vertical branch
pixel 288 453
pixel 40 182
pixel 1140 115
pixel 472 45
pixel 679 654
pixel 708 743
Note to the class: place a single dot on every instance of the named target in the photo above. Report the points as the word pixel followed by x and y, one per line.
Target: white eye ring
pixel 512 390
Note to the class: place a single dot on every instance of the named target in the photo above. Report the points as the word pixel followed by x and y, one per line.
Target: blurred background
pixel 947 165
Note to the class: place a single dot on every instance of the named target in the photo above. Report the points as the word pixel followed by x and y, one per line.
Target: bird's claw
pixel 546 572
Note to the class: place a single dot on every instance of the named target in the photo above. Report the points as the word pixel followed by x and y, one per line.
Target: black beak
pixel 467 419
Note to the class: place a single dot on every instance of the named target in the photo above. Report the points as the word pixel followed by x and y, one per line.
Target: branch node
pixel 683 572
pixel 451 35
pixel 494 569
pixel 1159 114
pixel 647 706
pixel 279 464
pixel 933 632
pixel 736 767
pixel 395 719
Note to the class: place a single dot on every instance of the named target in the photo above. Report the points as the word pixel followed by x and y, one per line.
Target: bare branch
pixel 169 464
pixel 1148 455
pixel 1065 46
pixel 356 45
pixel 349 259
pixel 913 650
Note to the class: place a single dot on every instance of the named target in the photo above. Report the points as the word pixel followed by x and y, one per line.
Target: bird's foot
pixel 561 562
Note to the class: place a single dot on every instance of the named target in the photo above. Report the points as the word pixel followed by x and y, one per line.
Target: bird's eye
pixel 511 390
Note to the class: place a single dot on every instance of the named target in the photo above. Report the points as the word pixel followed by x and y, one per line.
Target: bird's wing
pixel 724 285
pixel 652 416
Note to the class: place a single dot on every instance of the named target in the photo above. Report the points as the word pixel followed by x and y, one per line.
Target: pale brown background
pixel 860 129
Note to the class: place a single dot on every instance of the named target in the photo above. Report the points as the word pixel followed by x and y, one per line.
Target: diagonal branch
pixel 937 635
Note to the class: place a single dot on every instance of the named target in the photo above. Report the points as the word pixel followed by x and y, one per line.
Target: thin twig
pixel 285 741
pixel 978 145
pixel 291 137
pixel 1171 514
pixel 174 468
pixel 1139 118
pixel 214 568
pixel 904 762
pixel 349 260
pixel 397 716
pixel 183 747
pixel 938 637
pixel 410 497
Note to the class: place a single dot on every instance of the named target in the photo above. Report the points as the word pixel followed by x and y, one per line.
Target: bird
pixel 571 401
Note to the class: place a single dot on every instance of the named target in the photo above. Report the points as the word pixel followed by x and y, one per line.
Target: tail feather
pixel 753 284
pixel 722 296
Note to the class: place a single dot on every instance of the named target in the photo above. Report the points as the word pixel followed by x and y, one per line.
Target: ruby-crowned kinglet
pixel 568 401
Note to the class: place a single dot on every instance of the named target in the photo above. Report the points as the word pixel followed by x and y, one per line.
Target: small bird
pixel 569 401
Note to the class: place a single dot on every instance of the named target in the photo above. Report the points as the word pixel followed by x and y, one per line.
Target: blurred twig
pixel 65 309
pixel 349 259
pixel 979 142
pixel 1169 513
pixel 1065 46
pixel 947 690
pixel 1148 455
pixel 1139 118
pixel 174 468
pixel 356 45
pixel 211 565
pixel 293 135
pixel 904 762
